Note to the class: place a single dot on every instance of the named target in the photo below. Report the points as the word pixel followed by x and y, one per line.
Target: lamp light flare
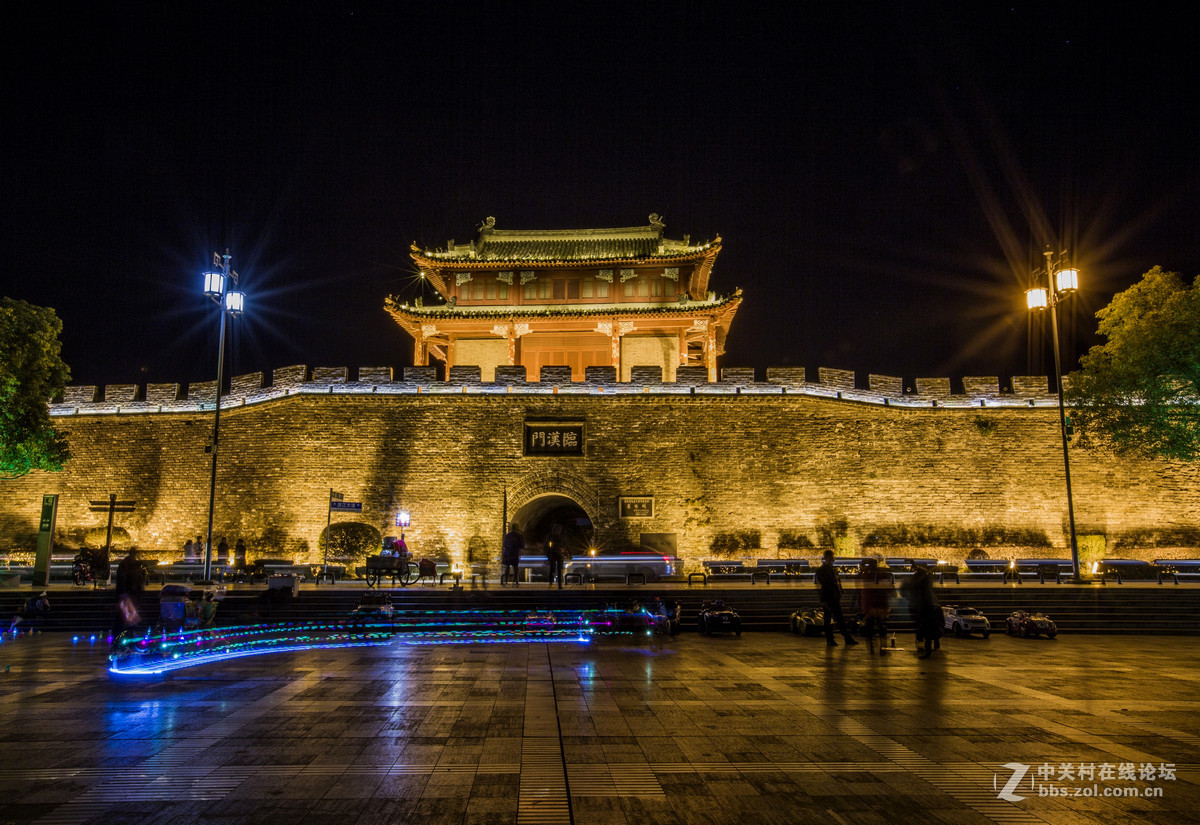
pixel 1036 298
pixel 1066 280
pixel 235 303
pixel 213 283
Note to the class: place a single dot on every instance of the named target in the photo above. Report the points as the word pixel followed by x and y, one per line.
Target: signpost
pixel 111 506
pixel 45 541
pixel 336 502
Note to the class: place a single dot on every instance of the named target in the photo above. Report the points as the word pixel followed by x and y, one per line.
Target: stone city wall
pixel 780 467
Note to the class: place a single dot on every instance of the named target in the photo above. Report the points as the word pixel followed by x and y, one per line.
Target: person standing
pixel 926 612
pixel 239 555
pixel 556 555
pixel 831 600
pixel 223 551
pixel 189 552
pixel 510 555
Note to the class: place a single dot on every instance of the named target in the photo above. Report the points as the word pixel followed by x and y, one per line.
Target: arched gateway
pixel 541 500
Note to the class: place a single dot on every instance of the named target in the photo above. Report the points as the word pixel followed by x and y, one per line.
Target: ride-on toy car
pixel 964 621
pixel 1030 623
pixel 811 622
pixel 718 617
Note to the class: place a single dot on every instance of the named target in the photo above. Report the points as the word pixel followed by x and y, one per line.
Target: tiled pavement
pixel 766 728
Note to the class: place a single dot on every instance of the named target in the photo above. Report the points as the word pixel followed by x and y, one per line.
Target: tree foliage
pixel 1140 391
pixel 32 372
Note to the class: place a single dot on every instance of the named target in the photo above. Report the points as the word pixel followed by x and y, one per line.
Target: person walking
pixel 926 613
pixel 510 555
pixel 830 587
pixel 131 584
pixel 874 605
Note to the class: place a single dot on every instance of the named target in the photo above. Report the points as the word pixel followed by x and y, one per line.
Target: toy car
pixel 966 620
pixel 374 607
pixel 718 617
pixel 1030 623
pixel 669 613
pixel 811 622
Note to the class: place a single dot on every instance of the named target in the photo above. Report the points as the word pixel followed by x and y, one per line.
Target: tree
pixel 1140 391
pixel 32 372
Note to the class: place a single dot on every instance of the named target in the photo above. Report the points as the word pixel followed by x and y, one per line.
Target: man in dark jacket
pixel 831 600
pixel 510 555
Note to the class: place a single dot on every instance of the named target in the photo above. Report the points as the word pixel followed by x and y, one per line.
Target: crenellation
pixel 789 376
pixel 510 374
pixel 645 375
pixel 933 387
pixel 1030 386
pixel 330 375
pixel 422 376
pixel 837 379
pixel 555 374
pixel 204 392
pixel 374 375
pixel 737 375
pixel 987 386
pixel 691 375
pixel 886 385
pixel 80 395
pixel 600 375
pixel 242 386
pixel 121 393
pixel 289 377
pixel 162 393
pixel 468 374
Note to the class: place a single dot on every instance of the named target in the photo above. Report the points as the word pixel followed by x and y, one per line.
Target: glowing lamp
pixel 235 303
pixel 213 284
pixel 1066 280
pixel 1036 298
pixel 403 519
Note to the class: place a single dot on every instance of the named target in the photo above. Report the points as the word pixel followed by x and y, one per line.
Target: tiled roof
pixel 577 310
pixel 621 243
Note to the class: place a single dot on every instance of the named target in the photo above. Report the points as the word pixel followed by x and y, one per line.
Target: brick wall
pixel 714 463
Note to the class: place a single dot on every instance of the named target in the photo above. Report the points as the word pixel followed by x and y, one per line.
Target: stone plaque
pixel 630 507
pixel 554 438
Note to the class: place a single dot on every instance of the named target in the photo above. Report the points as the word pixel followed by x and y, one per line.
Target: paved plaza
pixel 765 728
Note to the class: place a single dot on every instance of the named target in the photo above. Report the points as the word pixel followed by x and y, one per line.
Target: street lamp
pixel 1061 280
pixel 232 303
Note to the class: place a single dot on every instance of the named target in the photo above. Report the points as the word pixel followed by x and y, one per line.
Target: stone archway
pixel 541 500
pixel 564 485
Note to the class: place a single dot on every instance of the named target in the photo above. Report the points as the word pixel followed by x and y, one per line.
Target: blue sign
pixel 346 506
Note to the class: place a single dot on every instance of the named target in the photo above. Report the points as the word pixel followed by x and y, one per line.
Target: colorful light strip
pixel 165 651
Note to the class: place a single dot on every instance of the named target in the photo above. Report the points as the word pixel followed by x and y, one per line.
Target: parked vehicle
pixel 611 566
pixel 1030 623
pixel 718 617
pixel 964 621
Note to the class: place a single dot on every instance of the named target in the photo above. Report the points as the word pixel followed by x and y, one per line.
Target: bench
pixel 1187 569
pixel 1043 568
pixel 1132 569
pixel 724 570
pixel 987 568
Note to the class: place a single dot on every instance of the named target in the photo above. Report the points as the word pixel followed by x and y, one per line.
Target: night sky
pixel 884 175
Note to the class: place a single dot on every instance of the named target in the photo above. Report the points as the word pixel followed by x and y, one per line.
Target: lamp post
pixel 231 302
pixel 1061 280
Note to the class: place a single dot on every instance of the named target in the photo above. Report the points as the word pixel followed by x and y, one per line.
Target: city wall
pixel 786 463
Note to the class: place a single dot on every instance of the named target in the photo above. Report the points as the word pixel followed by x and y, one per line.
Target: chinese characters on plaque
pixel 635 506
pixel 553 438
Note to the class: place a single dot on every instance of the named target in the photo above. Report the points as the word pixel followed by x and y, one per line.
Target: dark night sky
pixel 884 175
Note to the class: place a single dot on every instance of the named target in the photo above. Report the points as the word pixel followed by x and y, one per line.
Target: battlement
pixel 835 384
